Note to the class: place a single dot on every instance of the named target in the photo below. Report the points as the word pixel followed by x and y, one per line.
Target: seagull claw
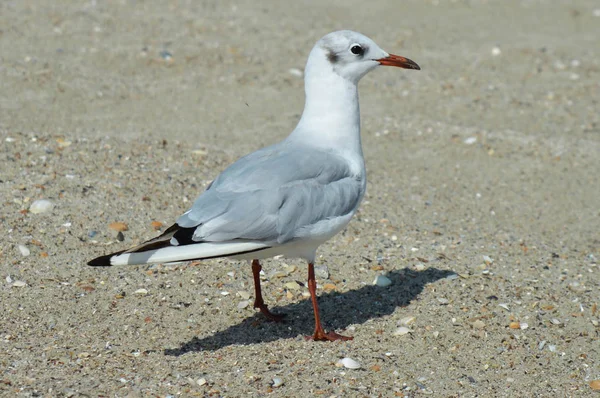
pixel 320 335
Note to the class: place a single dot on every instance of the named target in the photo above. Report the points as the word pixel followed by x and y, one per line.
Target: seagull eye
pixel 357 50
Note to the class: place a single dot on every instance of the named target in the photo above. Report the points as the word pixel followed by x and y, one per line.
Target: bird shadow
pixel 338 311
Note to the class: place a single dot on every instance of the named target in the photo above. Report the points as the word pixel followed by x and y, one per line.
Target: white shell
pixel 141 292
pixel 382 280
pixel 19 284
pixel 24 250
pixel 277 382
pixel 401 331
pixel 41 206
pixel 348 363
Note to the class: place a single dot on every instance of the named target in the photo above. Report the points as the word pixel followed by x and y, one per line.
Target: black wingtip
pixel 104 261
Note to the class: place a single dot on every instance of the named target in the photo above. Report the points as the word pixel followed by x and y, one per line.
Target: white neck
pixel 331 117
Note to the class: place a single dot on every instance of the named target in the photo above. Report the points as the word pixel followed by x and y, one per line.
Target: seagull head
pixel 352 55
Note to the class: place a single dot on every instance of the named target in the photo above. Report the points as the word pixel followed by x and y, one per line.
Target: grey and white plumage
pixel 288 198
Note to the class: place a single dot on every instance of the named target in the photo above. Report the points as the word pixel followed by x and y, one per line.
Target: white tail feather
pixel 187 252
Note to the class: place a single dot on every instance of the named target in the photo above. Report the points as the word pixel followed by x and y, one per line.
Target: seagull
pixel 288 198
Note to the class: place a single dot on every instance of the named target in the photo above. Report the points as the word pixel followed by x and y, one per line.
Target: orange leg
pixel 319 332
pixel 258 300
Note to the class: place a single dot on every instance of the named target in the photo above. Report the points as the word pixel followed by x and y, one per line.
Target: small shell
pixel 201 381
pixel 401 331
pixel 348 363
pixel 24 250
pixel 295 72
pixel 243 304
pixel 19 284
pixel 407 320
pixel 277 382
pixel 382 281
pixel 41 206
pixel 141 292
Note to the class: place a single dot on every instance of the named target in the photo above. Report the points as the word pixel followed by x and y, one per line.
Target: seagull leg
pixel 258 300
pixel 319 334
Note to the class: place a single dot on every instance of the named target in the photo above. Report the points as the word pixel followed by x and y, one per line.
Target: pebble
pixel 595 384
pixel 524 325
pixel 243 304
pixel 292 286
pixel 514 325
pixel 470 140
pixel 141 292
pixel 382 281
pixel 478 324
pixel 277 382
pixel 488 260
pixel 201 381
pixel 244 294
pixel 167 56
pixel 41 206
pixel 443 301
pixel 322 271
pixel 19 284
pixel 348 363
pixel 157 225
pixel 401 331
pixel 118 226
pixel 576 287
pixel 24 250
pixel 329 287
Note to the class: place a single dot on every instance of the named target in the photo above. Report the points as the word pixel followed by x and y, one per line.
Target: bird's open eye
pixel 357 49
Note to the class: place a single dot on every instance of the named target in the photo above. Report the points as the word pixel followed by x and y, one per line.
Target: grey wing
pixel 274 195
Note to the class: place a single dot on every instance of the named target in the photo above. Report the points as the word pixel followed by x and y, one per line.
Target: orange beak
pixel 401 62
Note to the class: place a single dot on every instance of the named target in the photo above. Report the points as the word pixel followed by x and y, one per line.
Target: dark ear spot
pixel 332 56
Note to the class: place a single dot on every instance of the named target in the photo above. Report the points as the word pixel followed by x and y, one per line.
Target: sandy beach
pixel 482 205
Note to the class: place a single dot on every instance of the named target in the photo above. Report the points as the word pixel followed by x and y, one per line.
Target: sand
pixel 482 205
